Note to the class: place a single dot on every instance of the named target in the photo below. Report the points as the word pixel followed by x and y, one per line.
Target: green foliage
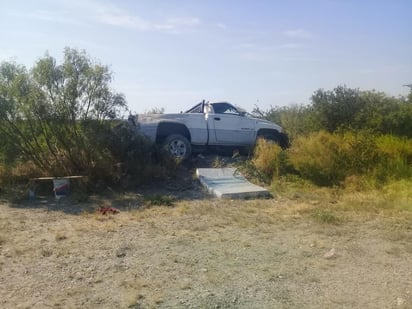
pixel 327 159
pixel 337 108
pixel 396 157
pixel 136 157
pixel 384 115
pixel 399 191
pixel 59 117
pixel 344 136
pixel 268 159
pixel 317 158
pixel 295 119
pixel 55 115
pixel 344 109
pixel 330 159
pixel 335 159
pixel 160 200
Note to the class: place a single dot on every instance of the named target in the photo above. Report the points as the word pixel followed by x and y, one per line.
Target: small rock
pixel 204 270
pixel 330 254
pixel 120 254
pixel 400 301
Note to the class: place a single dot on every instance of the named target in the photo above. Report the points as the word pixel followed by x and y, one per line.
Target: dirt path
pixel 201 254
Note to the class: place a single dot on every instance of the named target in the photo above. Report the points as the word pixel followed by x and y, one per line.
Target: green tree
pixel 337 108
pixel 294 119
pixel 56 115
pixel 374 114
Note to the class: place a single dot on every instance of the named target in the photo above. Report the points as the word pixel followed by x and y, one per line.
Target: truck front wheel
pixel 279 138
pixel 178 146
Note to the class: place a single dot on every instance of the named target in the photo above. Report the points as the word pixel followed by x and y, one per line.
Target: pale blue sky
pixel 173 54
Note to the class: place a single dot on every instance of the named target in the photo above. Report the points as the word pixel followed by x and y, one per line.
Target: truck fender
pixel 165 129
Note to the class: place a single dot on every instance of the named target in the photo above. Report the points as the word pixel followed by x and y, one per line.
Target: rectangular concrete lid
pixel 228 183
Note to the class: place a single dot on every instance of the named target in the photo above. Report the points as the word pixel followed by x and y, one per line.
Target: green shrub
pixel 396 157
pixel 329 159
pixel 316 157
pixel 269 159
pixel 266 157
pixel 294 119
pixel 344 108
pixel 160 200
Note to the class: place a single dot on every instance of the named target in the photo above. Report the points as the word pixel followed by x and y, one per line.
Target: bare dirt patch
pixel 204 253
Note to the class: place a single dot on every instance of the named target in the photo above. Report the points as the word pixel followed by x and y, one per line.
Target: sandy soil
pixel 202 253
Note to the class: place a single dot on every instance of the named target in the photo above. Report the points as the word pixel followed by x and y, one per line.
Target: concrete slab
pixel 229 183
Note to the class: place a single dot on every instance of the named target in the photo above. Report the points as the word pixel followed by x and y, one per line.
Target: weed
pixel 46 252
pixel 135 306
pixel 326 216
pixel 218 162
pixel 268 158
pixel 396 156
pixel 328 159
pixel 160 200
pixel 60 236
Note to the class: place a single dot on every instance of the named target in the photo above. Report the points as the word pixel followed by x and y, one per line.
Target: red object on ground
pixel 108 210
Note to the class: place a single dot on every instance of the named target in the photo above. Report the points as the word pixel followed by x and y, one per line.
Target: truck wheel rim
pixel 177 148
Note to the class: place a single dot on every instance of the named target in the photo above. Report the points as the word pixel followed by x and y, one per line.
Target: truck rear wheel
pixel 178 146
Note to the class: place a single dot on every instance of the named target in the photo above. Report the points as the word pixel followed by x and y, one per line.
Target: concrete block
pixel 229 183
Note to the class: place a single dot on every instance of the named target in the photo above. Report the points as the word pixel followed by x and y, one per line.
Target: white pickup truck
pixel 206 125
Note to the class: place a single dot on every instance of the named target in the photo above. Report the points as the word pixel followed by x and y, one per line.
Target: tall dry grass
pixel 268 158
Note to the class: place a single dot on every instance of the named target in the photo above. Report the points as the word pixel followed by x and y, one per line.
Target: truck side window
pixel 218 108
pixel 224 108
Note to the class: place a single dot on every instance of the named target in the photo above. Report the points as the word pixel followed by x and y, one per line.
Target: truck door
pixel 230 126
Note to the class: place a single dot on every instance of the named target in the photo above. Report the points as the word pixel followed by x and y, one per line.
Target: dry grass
pixel 210 253
pixel 392 201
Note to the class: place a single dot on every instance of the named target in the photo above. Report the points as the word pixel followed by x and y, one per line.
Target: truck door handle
pixel 217 118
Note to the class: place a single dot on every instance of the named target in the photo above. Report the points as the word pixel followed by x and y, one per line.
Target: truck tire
pixel 178 146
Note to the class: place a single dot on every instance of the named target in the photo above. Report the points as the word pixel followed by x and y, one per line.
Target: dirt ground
pixel 200 253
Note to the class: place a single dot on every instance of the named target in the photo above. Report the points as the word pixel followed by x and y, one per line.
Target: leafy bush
pixel 160 200
pixel 337 108
pixel 59 119
pixel 268 158
pixel 328 159
pixel 316 157
pixel 294 119
pixel 56 115
pixel 396 157
pixel 344 109
pixel 344 135
pixel 137 158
